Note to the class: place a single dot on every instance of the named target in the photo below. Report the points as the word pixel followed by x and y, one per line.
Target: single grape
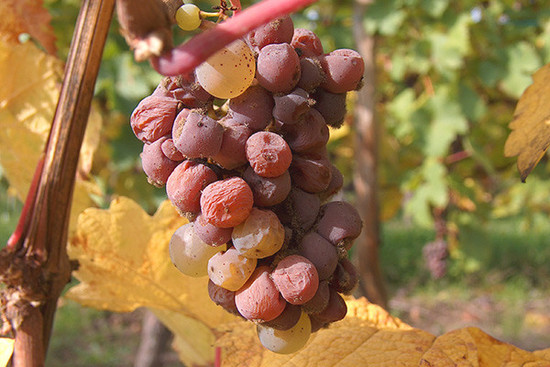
pixel 260 235
pixel 336 309
pixel 285 341
pixel 278 68
pixel 345 277
pixel 188 253
pixel 343 69
pixel 170 151
pixel 268 191
pixel 287 319
pixel 188 17
pixel 290 108
pixel 229 72
pixel 311 172
pixel 185 184
pixel 232 152
pixel 223 297
pixel 339 223
pixel 320 300
pixel 312 74
pixel 299 210
pixel 320 252
pixel 227 203
pixel 153 117
pixel 252 108
pixel 210 234
pixel 156 165
pixel 258 299
pixel 306 43
pixel 336 183
pixel 279 30
pixel 309 134
pixel 200 136
pixel 268 154
pixel 229 269
pixel 332 106
pixel 296 278
pixel 185 89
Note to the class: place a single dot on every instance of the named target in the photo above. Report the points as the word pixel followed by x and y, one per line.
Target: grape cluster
pixel 240 145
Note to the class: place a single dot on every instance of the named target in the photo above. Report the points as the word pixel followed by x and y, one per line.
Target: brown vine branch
pixel 36 269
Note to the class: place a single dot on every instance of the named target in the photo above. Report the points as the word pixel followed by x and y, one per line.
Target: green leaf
pixel 448 122
pixel 523 61
pixel 490 73
pixel 450 47
pixel 471 103
pixel 384 17
pixel 435 8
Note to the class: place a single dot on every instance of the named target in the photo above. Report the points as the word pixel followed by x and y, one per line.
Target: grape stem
pixel 188 56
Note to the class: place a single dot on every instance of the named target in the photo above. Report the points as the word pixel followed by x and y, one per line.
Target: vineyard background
pixel 448 77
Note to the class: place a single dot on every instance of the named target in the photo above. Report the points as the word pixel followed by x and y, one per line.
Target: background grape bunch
pixel 240 145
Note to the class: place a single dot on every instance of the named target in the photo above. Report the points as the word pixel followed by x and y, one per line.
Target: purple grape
pixel 252 108
pixel 309 134
pixel 278 68
pixel 268 191
pixel 311 172
pixel 336 309
pixel 279 30
pixel 201 136
pixel 170 150
pixel 345 277
pixel 185 89
pixel 291 108
pixel 156 165
pixel 320 300
pixel 290 316
pixel 343 69
pixel 332 106
pixel 339 223
pixel 306 43
pixel 320 252
pixel 312 74
pixel 210 234
pixel 223 297
pixel 232 152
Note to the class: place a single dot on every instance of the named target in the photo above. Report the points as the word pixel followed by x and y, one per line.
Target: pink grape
pixel 185 184
pixel 259 299
pixel 227 203
pixel 278 68
pixel 153 117
pixel 268 154
pixel 156 165
pixel 296 278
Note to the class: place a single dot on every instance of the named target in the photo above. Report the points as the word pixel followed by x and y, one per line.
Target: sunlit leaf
pixel 26 16
pixel 530 136
pixel 124 264
pixel 6 350
pixel 28 98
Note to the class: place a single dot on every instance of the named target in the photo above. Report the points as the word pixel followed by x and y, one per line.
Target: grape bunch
pixel 240 145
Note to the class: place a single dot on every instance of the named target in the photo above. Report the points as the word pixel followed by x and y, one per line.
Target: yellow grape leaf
pixel 369 336
pixel 28 98
pixel 124 264
pixel 6 350
pixel 530 137
pixel 27 16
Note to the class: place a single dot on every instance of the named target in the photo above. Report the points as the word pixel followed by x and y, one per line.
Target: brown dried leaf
pixel 530 137
pixel 27 16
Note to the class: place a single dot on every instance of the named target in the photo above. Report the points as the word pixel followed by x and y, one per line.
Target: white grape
pixel 260 235
pixel 286 341
pixel 189 253
pixel 229 72
pixel 188 17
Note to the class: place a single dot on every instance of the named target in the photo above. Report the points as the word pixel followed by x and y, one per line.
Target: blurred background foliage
pixel 449 74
